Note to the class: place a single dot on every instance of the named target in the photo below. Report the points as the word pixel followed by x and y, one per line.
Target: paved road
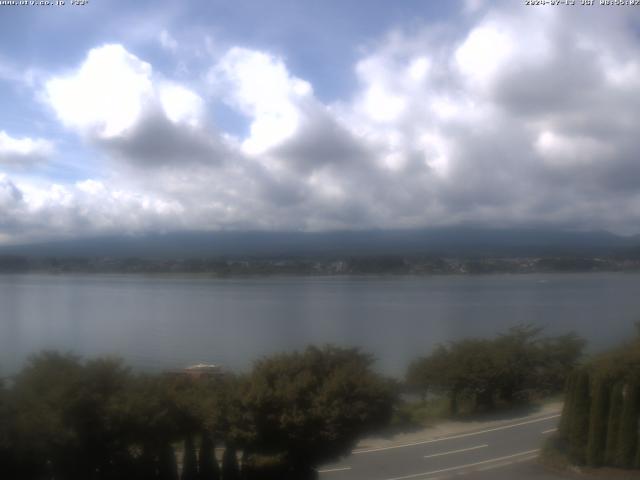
pixel 505 451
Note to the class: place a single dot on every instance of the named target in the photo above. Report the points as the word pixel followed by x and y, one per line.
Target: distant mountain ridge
pixel 458 241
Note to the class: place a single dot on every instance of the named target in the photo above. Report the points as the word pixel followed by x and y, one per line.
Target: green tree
pixel 167 466
pixel 8 454
pixel 189 460
pixel 579 428
pixel 207 462
pixel 558 357
pixel 515 367
pixel 598 422
pixel 427 374
pixel 230 468
pixel 613 423
pixel 519 362
pixel 314 405
pixel 628 433
pixel 65 423
pixel 564 426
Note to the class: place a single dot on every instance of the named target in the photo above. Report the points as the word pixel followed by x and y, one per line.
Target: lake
pixel 158 322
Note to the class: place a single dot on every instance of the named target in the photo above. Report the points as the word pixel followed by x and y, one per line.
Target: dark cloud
pixel 156 141
pixel 321 141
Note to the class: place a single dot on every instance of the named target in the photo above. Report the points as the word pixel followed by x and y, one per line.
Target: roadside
pixel 448 428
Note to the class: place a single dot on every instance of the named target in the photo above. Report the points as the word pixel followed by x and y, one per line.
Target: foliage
pixel 167 468
pixel 230 468
pixel 628 432
pixel 419 414
pixel 207 463
pixel 515 367
pixel 314 405
pixel 189 460
pixel 598 423
pixel 579 419
pixel 613 423
pixel 564 424
pixel 69 419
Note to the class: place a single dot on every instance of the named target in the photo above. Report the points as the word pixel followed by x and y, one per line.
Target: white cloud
pixel 106 95
pixel 25 150
pixel 167 41
pixel 181 105
pixel 472 6
pixel 116 102
pixel 565 151
pixel 259 85
pixel 489 123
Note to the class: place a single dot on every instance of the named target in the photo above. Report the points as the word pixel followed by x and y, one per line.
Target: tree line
pixel 515 367
pixel 599 423
pixel 62 418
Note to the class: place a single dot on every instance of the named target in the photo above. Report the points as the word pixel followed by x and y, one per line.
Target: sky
pixel 120 117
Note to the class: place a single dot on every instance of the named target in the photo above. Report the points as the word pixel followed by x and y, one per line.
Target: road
pixel 505 451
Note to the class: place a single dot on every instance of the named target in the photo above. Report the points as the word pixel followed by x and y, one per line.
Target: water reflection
pixel 161 322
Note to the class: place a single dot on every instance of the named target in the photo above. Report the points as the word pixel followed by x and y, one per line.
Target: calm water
pixel 160 322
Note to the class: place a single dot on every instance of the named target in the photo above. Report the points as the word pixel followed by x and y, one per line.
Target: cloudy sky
pixel 134 117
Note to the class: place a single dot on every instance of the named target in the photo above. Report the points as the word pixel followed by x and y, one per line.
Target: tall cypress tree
pixel 208 465
pixel 579 427
pixel 167 466
pixel 613 423
pixel 628 434
pixel 230 469
pixel 598 422
pixel 146 465
pixel 567 409
pixel 189 461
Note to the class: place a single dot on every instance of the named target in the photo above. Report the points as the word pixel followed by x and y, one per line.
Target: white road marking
pixel 461 467
pixel 456 451
pixel 484 468
pixel 463 435
pixel 329 470
pixel 551 430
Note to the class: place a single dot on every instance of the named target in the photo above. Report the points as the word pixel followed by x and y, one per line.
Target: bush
pixel 613 423
pixel 516 367
pixel 598 423
pixel 628 433
pixel 579 419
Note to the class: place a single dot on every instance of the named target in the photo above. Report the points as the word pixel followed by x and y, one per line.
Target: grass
pixel 415 414
pixel 420 414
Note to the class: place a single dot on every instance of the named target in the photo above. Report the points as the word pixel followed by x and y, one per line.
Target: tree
pixel 564 426
pixel 189 460
pixel 426 375
pixel 67 421
pixel 628 433
pixel 613 423
pixel 230 469
pixel 265 467
pixel 8 453
pixel 167 467
pixel 207 462
pixel 598 422
pixel 579 428
pixel 40 394
pixel 558 356
pixel 519 361
pixel 515 367
pixel 313 406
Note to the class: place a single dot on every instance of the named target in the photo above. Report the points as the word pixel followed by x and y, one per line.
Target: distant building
pixel 200 370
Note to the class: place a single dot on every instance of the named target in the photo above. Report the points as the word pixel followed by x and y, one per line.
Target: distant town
pixel 361 265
